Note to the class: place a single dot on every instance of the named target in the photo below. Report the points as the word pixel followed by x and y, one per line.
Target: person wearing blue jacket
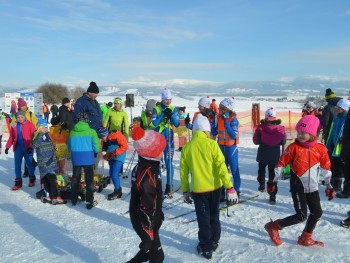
pixel 84 145
pixel 164 117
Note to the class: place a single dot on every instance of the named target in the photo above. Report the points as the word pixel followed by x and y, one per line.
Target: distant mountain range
pixel 301 86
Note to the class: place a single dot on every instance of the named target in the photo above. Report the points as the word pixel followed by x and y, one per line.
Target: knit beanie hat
pixel 270 114
pixel 110 104
pixel 102 132
pixel 43 123
pixel 118 100
pixel 82 116
pixel 55 121
pixel 21 103
pixel 228 103
pixel 20 112
pixel 93 88
pixel 65 100
pixel 201 123
pixel 329 94
pixel 204 102
pixel 166 94
pixel 309 124
pixel 150 104
pixel 148 143
pixel 344 104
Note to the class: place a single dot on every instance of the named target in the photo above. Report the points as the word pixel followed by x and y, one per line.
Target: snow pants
pixel 89 182
pixel 21 152
pixel 50 185
pixel 168 155
pixel 231 158
pixel 114 169
pixel 262 172
pixel 207 211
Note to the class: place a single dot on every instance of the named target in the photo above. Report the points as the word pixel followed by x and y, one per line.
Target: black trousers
pixel 302 201
pixel 346 172
pixel 337 173
pixel 89 182
pixel 262 172
pixel 50 185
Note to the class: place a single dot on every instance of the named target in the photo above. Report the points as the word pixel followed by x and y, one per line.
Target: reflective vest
pixel 144 120
pixel 164 124
pixel 223 137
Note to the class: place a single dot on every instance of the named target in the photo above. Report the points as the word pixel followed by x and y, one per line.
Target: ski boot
pixel 272 228
pixel 306 240
pixel 91 205
pixel 116 194
pixel 207 255
pixel 18 184
pixel 346 223
pixel 261 188
pixel 272 199
pixel 168 193
pixel 46 199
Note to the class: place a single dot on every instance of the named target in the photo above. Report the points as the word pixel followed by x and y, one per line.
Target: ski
pixel 190 221
pixel 180 215
pixel 239 202
pixel 175 203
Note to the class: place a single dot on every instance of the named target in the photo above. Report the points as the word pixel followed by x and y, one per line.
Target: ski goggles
pixel 118 101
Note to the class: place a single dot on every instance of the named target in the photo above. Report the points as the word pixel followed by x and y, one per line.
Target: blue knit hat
pixel 43 123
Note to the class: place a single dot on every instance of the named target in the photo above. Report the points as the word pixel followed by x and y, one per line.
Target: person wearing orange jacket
pixel 226 129
pixel 116 146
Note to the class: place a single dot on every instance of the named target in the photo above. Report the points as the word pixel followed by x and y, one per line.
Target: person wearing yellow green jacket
pixel 203 159
pixel 117 119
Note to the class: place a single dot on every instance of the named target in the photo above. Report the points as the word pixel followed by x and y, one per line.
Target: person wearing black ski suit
pixel 146 213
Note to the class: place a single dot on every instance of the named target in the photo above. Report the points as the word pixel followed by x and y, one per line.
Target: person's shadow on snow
pixel 51 236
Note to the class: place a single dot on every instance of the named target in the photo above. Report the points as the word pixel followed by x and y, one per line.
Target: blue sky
pixel 76 41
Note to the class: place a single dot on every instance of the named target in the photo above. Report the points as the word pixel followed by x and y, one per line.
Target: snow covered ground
pixel 35 232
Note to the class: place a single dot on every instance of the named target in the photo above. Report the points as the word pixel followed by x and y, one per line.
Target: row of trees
pixel 54 93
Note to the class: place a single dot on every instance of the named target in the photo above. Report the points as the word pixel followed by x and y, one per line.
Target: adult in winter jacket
pixel 269 135
pixel 204 109
pixel 117 119
pixel 334 146
pixel 307 158
pixel 146 115
pixel 84 145
pixel 46 111
pixel 47 163
pixel 164 117
pixel 204 161
pixel 329 112
pixel 21 140
pixel 145 208
pixel 89 105
pixel 226 129
pixel 66 115
pixel 54 110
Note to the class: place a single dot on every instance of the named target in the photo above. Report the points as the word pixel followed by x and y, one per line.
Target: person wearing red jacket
pixel 307 158
pixel 20 139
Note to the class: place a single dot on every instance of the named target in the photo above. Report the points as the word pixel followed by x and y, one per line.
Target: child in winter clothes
pixel 203 159
pixel 226 128
pixel 20 138
pixel 269 135
pixel 164 117
pixel 307 158
pixel 47 162
pixel 84 145
pixel 182 130
pixel 334 146
pixel 146 213
pixel 116 147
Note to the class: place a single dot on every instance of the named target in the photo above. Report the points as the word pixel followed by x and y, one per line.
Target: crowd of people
pixel 209 168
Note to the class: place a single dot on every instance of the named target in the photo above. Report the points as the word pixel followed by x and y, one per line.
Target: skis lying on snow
pixel 176 202
pixel 221 208
pixel 240 202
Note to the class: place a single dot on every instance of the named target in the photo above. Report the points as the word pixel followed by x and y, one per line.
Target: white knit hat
pixel 166 94
pixel 204 102
pixel 228 103
pixel 201 123
pixel 270 114
pixel 344 104
pixel 148 143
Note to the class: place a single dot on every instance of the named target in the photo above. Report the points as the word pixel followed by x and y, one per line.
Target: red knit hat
pixel 21 102
pixel 148 143
pixel 309 124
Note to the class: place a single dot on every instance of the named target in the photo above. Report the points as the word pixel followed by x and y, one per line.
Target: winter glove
pixel 109 156
pixel 271 188
pixel 225 115
pixel 329 192
pixel 187 119
pixel 232 197
pixel 7 151
pixel 167 113
pixel 30 150
pixel 187 198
